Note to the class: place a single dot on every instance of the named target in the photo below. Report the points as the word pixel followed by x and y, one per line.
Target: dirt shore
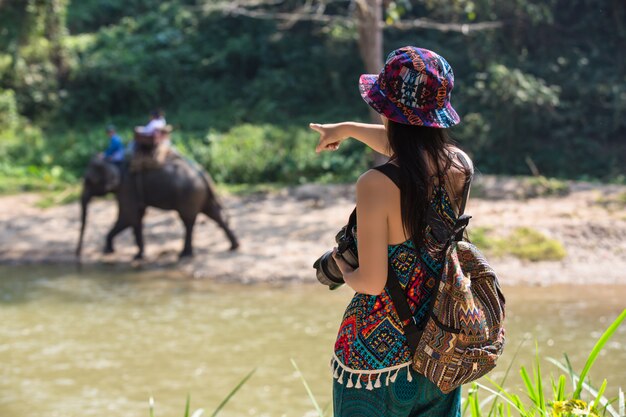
pixel 283 232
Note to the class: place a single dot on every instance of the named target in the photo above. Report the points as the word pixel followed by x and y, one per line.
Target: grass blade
pixel 151 406
pixel 540 396
pixel 570 368
pixel 475 405
pixel 596 351
pixel 575 378
pixel 530 388
pixel 506 374
pixel 187 405
pixel 620 405
pixel 232 392
pixel 511 399
pixel 466 403
pixel 308 390
pixel 560 393
pixel 600 393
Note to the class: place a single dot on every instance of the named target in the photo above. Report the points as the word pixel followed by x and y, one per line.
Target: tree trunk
pixel 369 14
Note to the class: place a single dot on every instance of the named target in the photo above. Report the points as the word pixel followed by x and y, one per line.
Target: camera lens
pixel 327 271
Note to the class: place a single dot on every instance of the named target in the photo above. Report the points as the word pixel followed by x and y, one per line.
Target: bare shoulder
pixel 374 184
pixel 462 153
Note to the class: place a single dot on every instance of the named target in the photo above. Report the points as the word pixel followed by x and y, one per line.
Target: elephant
pixel 177 185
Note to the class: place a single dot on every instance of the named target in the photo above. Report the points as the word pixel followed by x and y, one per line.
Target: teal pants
pixel 417 398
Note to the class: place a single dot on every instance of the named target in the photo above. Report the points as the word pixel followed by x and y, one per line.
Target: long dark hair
pixel 412 147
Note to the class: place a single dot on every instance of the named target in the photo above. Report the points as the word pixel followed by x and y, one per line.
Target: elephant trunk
pixel 84 201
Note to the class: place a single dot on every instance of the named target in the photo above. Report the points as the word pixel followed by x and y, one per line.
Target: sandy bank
pixel 283 232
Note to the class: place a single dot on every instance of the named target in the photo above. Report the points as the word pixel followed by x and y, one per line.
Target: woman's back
pixel 370 340
pixel 453 174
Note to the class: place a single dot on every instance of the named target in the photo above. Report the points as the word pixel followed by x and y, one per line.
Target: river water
pixel 100 342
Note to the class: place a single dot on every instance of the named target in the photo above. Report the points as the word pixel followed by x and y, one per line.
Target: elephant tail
pixel 213 199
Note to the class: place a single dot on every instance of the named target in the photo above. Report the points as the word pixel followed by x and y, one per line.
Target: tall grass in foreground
pixel 502 403
pixel 200 412
pixel 582 401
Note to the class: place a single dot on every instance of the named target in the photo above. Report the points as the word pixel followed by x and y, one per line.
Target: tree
pixel 32 33
pixel 367 15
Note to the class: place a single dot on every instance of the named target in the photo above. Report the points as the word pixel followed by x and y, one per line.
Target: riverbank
pixel 282 232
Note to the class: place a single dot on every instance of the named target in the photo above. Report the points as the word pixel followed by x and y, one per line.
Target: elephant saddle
pixel 155 158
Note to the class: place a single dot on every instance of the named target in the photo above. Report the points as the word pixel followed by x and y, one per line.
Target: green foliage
pixel 615 201
pixel 542 187
pixel 32 178
pixel 67 195
pixel 562 404
pixel 523 243
pixel 532 245
pixel 254 154
pixel 548 85
pixel 480 236
pixel 9 118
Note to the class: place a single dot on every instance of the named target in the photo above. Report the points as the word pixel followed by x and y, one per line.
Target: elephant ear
pixel 113 177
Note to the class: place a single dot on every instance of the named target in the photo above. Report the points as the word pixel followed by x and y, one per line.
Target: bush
pixel 265 153
pixel 532 245
pixel 523 243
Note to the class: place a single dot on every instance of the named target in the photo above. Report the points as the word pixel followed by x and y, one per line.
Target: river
pixel 101 341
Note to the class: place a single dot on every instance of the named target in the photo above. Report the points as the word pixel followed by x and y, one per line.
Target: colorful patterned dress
pixel 371 351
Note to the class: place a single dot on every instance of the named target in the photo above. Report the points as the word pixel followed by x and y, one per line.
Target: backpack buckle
pixel 459 227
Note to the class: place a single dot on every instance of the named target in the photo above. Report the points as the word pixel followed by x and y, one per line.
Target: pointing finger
pixel 317 127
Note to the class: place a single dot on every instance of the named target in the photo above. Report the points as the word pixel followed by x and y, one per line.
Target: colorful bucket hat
pixel 413 88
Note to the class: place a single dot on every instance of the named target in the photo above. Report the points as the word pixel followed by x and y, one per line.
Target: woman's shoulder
pixel 461 157
pixel 374 184
pixel 374 178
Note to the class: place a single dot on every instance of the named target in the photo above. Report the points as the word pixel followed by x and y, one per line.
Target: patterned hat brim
pixel 377 99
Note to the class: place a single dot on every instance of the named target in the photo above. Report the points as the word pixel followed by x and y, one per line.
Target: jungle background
pixel 546 87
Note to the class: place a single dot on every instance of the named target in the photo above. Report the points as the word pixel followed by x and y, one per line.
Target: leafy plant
pixel 562 404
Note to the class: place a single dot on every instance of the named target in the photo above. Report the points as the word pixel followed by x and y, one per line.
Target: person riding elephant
pixel 115 152
pixel 157 121
pixel 156 134
pixel 177 185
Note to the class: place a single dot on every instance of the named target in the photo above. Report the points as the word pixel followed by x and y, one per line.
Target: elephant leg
pixel 215 213
pixel 188 221
pixel 138 232
pixel 117 228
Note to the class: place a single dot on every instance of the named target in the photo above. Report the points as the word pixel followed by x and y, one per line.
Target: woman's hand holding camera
pixel 343 266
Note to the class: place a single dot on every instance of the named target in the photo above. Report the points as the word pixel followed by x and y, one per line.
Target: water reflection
pixel 102 341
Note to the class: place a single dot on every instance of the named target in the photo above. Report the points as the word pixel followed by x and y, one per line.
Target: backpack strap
pixel 395 290
pixel 412 332
pixel 391 171
pixel 468 181
pixel 463 219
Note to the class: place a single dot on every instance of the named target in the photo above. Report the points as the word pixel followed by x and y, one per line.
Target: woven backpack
pixel 463 335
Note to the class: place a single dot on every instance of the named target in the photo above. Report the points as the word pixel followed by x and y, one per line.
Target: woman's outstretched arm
pixel 331 135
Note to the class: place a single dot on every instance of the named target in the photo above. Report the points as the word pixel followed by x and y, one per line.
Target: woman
pixel 371 364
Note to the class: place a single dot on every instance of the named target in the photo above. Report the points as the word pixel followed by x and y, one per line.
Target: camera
pixel 327 271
